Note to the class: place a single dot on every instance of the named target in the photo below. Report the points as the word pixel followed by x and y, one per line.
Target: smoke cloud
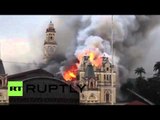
pixel 136 43
pixel 134 38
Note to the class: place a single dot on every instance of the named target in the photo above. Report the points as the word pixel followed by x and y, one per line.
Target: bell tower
pixel 49 43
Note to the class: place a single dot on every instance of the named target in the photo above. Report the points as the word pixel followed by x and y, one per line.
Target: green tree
pixel 157 68
pixel 139 71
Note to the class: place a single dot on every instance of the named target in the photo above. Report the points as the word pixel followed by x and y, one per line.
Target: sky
pixel 17 33
pixel 20 26
pixel 22 38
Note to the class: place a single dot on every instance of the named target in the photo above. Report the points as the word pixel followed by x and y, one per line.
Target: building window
pixel 107 77
pixel 91 84
pixel 104 77
pixel 97 77
pixel 107 69
pixel 107 97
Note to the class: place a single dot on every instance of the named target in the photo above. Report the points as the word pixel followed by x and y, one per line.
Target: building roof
pixel 89 71
pixel 50 30
pixel 58 95
pixel 31 73
pixel 2 71
pixel 50 27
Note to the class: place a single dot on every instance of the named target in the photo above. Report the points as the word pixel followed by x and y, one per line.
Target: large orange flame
pixel 70 73
pixel 95 58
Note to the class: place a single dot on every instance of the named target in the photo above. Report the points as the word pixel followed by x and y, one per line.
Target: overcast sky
pixel 17 33
pixel 20 26
pixel 22 38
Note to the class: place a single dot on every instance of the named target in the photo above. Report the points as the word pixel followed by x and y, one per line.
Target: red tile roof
pixel 136 102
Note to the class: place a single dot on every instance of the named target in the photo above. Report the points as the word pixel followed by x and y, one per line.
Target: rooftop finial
pixel 51 25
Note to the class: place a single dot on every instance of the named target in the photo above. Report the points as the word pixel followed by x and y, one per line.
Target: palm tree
pixel 157 68
pixel 139 71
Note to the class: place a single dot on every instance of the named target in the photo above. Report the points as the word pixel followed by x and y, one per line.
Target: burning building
pixel 100 81
pixel 93 69
pixel 97 74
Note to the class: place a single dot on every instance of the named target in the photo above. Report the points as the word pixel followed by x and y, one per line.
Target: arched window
pixel 107 97
pixel 91 84
pixel 107 69
pixel 104 77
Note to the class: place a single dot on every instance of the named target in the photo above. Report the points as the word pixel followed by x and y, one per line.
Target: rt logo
pixel 15 88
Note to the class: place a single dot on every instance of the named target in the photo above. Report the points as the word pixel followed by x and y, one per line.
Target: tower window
pixel 109 77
